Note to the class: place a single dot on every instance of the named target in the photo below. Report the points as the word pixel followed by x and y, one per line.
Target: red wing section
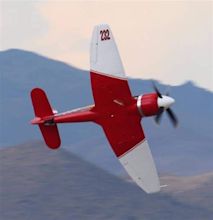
pixel 110 93
pixel 112 97
pixel 123 132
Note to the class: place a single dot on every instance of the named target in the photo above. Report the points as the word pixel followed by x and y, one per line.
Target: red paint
pixel 149 104
pixel 115 110
pixel 106 90
pixel 122 131
pixel 120 122
pixel 36 121
pixel 83 116
pixel 40 103
pixel 50 135
pixel 43 110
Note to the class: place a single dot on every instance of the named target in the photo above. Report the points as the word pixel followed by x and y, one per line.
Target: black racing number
pixel 105 34
pixel 102 33
pixel 107 37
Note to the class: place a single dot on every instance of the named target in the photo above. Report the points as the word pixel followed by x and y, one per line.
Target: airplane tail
pixel 45 118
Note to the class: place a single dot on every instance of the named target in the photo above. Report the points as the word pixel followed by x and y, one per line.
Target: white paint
pixel 104 55
pixel 139 105
pixel 55 111
pixel 85 108
pixel 140 166
pixel 163 186
pixel 165 101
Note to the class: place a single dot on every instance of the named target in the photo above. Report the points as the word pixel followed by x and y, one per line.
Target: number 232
pixel 105 34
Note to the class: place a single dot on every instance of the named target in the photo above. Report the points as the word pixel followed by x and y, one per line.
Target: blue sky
pixel 166 40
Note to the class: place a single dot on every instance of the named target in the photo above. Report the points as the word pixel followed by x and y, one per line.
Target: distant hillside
pixel 185 150
pixel 38 183
pixel 194 190
pixel 66 86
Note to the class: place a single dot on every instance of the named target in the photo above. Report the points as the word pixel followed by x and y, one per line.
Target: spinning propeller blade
pixel 170 113
pixel 156 90
pixel 172 117
pixel 159 114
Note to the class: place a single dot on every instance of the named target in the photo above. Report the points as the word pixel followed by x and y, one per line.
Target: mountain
pixel 20 72
pixel 193 190
pixel 38 183
pixel 187 150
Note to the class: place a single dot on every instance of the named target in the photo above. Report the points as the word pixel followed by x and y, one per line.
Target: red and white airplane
pixel 115 110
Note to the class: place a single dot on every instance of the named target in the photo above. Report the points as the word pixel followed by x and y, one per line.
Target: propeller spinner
pixel 164 103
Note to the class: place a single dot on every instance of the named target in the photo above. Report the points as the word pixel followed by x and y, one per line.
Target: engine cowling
pixel 147 104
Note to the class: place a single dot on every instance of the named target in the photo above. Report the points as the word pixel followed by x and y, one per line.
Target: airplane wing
pixel 128 142
pixel 112 97
pixel 107 73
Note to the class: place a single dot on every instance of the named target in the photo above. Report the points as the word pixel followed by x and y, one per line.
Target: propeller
pixel 164 103
pixel 172 116
pixel 156 90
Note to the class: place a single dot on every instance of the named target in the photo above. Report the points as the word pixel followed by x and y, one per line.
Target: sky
pixel 170 41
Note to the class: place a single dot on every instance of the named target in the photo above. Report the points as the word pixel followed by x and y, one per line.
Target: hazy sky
pixel 170 41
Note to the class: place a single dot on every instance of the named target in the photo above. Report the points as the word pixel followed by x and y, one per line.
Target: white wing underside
pixel 104 55
pixel 140 165
pixel 105 59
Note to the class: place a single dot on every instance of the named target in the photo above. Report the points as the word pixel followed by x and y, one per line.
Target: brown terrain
pixel 37 183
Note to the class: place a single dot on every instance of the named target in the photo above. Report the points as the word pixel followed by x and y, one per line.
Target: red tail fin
pixel 43 113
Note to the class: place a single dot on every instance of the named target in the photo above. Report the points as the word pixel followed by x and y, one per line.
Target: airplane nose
pixel 165 101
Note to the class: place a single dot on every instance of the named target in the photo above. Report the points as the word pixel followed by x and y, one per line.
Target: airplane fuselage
pixel 144 106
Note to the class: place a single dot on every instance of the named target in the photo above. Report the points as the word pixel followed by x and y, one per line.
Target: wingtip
pixel 152 191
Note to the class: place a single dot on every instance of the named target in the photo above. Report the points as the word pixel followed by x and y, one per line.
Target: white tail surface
pixel 104 55
pixel 140 165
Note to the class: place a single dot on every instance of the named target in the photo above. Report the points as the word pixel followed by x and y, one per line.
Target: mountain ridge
pixel 188 83
pixel 39 183
pixel 185 150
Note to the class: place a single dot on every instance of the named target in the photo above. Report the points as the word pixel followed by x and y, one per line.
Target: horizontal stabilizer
pixel 40 103
pixel 44 118
pixel 50 135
